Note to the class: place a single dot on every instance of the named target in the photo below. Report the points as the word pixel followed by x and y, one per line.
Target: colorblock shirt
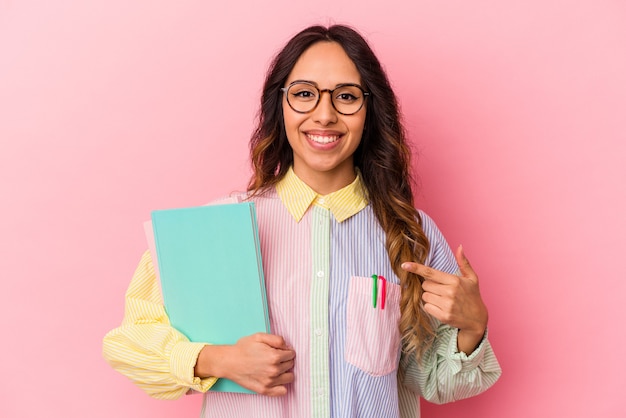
pixel 319 254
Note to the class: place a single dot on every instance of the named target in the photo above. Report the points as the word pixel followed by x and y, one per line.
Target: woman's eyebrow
pixel 317 85
pixel 304 81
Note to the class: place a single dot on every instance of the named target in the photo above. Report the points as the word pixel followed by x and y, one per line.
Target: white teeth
pixel 323 139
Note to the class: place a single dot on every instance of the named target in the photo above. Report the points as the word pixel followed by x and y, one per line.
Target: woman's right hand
pixel 260 362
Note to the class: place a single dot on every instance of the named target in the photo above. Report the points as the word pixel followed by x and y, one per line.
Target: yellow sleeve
pixel 146 348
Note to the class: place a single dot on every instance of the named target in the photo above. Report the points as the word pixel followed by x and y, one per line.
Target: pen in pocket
pixel 383 290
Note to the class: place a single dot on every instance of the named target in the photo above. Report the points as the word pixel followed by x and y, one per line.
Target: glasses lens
pixel 302 97
pixel 348 99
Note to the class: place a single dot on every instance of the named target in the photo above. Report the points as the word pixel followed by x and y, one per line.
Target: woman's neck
pixel 326 182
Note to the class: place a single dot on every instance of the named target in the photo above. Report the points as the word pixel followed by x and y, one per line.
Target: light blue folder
pixel 211 273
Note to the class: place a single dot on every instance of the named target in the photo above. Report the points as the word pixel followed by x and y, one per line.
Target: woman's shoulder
pixel 440 255
pixel 429 226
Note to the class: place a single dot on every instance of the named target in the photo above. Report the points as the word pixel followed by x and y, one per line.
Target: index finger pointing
pixel 418 268
pixel 426 272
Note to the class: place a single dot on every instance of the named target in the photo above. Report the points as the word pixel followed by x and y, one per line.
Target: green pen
pixel 374 289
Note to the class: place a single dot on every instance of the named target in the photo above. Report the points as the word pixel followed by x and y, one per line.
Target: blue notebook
pixel 211 273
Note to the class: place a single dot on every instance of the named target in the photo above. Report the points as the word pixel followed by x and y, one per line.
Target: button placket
pixel 319 340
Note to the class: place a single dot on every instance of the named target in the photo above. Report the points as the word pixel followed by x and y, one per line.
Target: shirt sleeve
pixel 443 374
pixel 146 348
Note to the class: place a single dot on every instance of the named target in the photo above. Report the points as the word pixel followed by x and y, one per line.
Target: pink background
pixel 109 109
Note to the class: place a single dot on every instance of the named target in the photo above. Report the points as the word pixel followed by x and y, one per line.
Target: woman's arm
pixel 146 348
pixel 460 363
pixel 165 364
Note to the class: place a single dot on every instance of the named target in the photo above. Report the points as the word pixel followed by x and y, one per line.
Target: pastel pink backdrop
pixel 109 109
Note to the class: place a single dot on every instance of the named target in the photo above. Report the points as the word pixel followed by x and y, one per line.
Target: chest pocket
pixel 372 334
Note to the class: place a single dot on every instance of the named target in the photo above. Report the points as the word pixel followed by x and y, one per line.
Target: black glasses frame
pixel 330 92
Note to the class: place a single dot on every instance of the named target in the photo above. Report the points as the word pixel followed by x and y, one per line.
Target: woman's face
pixel 323 140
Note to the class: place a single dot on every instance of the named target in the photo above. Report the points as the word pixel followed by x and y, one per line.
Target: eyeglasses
pixel 303 97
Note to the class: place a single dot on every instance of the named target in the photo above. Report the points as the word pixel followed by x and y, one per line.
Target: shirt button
pixel 320 392
pixel 320 273
pixel 318 332
pixel 321 200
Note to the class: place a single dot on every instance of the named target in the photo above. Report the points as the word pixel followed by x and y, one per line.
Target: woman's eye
pixel 304 94
pixel 346 97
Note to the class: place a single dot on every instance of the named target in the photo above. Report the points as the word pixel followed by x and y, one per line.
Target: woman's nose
pixel 325 113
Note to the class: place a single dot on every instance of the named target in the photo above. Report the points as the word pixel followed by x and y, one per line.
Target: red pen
pixel 383 292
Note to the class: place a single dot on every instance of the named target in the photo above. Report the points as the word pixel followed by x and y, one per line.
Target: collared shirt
pixel 319 255
pixel 297 197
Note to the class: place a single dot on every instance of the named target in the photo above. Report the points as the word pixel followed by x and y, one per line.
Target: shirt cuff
pixel 461 360
pixel 182 362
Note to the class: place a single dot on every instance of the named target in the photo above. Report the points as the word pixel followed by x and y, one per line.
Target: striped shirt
pixel 319 255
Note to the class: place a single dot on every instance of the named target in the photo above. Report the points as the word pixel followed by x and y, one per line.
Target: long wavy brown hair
pixel 383 158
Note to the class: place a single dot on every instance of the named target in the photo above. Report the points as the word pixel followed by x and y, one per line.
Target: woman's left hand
pixel 454 300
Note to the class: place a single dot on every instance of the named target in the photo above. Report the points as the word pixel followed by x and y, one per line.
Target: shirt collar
pixel 297 196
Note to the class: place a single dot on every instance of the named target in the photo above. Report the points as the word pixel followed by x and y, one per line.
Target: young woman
pixel 334 203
